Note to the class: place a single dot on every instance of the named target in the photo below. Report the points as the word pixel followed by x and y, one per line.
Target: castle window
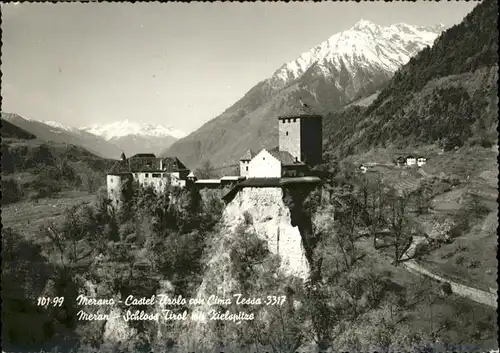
pixel 156 175
pixel 111 179
pixel 147 175
pixel 246 168
pixel 136 175
pixel 164 175
pixel 294 120
pixel 289 120
pixel 287 133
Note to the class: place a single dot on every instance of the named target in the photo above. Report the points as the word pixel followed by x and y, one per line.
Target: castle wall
pixel 264 165
pixel 159 181
pixel 289 136
pixel 311 136
pixel 115 184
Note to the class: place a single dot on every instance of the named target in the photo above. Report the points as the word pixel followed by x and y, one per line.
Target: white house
pixel 264 165
pixel 411 160
pixel 421 161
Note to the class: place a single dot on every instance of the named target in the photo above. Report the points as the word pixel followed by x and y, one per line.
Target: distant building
pixel 411 160
pixel 421 161
pixel 147 170
pixel 401 161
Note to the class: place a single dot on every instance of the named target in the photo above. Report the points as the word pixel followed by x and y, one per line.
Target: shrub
pixel 459 259
pixel 11 191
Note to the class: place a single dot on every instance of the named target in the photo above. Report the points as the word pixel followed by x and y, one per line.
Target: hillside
pixel 348 65
pixel 446 95
pixel 12 131
pixel 59 134
pixel 34 169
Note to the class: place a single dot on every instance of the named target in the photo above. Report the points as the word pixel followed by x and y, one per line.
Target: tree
pixel 25 274
pixel 375 198
pixel 206 171
pixel 11 191
pixel 399 224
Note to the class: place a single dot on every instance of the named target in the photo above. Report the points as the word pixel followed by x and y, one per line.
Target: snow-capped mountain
pixel 124 128
pixel 367 45
pixel 349 65
pixel 136 137
pixel 59 133
pixel 60 126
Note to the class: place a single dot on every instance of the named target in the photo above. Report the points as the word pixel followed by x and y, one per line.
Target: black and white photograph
pixel 249 177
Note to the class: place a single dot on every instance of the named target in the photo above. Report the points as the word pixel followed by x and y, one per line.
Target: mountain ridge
pixel 60 133
pixel 327 80
pixel 446 95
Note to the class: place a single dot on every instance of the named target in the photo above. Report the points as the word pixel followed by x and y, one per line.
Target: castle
pixel 147 170
pixel 300 148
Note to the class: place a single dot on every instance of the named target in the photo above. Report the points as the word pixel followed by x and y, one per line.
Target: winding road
pixel 473 294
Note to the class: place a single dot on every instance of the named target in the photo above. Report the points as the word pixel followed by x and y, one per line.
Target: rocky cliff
pixel 258 214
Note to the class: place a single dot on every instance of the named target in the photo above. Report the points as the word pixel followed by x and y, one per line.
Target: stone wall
pixel 473 294
pixel 289 135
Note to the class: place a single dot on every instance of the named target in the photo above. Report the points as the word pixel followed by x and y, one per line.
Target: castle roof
pixel 249 154
pixel 284 157
pixel 144 163
pixel 143 155
pixel 147 162
pixel 172 164
pixel 120 167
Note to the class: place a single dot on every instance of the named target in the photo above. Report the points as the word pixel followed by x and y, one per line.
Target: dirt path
pixel 473 294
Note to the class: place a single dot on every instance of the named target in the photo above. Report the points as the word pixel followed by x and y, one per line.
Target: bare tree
pixel 400 224
pixel 206 171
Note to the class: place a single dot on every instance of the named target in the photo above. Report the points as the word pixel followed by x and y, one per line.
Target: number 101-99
pixel 46 301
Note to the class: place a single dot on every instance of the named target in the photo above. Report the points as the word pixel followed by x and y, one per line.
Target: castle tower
pixel 118 180
pixel 302 136
pixel 245 163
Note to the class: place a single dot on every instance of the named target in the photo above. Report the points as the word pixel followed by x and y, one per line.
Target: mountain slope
pixel 447 94
pixel 9 130
pixel 348 65
pixel 55 132
pixel 34 168
pixel 134 137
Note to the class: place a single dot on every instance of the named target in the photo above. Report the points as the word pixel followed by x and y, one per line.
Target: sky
pixel 173 64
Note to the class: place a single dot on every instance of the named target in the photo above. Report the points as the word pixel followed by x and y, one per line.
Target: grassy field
pixel 457 317
pixel 27 216
pixel 471 258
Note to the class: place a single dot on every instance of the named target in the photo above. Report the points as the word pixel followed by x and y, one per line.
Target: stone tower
pixel 118 179
pixel 302 136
